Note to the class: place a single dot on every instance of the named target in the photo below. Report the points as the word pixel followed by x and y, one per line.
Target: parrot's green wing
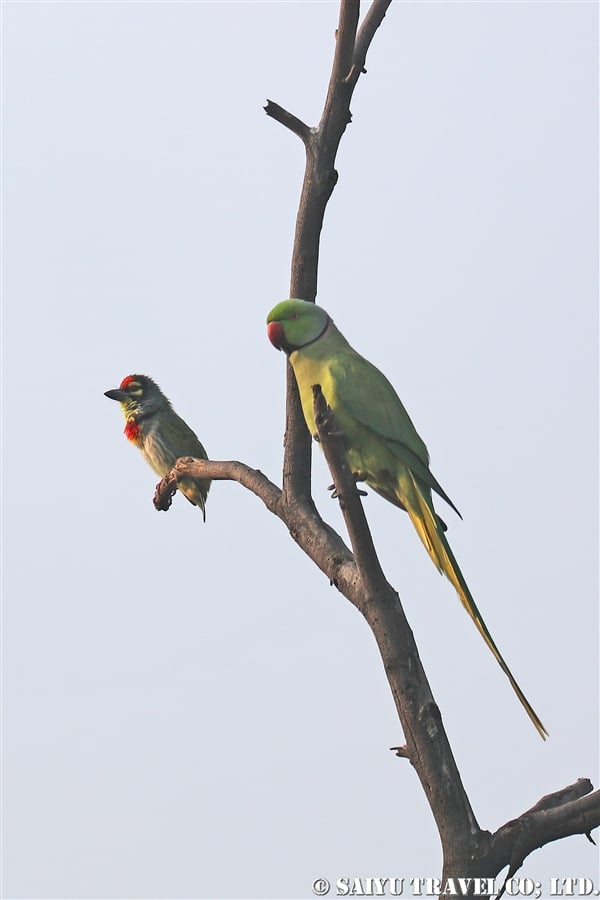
pixel 384 448
pixel 369 397
pixel 363 393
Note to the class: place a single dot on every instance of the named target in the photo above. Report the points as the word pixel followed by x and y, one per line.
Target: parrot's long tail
pixel 420 509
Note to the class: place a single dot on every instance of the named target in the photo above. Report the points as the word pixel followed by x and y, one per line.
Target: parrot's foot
pixel 336 496
pixel 360 476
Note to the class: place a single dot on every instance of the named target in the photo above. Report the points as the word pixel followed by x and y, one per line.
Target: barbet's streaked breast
pixel 152 425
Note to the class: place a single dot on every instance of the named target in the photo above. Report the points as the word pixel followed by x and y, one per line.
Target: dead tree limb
pixel 320 177
pixel 468 850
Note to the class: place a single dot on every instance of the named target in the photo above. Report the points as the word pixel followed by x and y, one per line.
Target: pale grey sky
pixel 190 710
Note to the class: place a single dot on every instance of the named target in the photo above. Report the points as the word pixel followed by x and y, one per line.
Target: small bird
pixel 384 449
pixel 152 424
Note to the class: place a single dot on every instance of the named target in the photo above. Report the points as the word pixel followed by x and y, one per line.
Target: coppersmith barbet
pixel 384 449
pixel 152 425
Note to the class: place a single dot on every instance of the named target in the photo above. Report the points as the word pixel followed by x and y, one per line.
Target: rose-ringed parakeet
pixel 383 447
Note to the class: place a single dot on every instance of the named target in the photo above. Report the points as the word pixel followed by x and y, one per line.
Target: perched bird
pixel 153 425
pixel 383 447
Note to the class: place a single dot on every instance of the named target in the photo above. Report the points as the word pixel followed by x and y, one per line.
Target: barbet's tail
pixel 420 509
pixel 195 490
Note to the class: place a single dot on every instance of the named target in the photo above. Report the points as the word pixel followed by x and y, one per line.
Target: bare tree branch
pixel 321 145
pixel 574 791
pixel 572 810
pixel 366 33
pixel 318 540
pixel 565 812
pixel 331 440
pixel 427 746
pixel 401 751
pixel 232 470
pixel 345 38
pixel 281 115
pixel 468 850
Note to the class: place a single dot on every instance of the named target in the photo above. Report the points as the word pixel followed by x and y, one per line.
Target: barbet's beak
pixel 116 394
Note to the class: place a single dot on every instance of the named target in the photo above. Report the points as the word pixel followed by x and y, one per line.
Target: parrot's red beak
pixel 275 334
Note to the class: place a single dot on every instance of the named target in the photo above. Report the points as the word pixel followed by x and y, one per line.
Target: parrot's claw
pixel 358 476
pixel 335 495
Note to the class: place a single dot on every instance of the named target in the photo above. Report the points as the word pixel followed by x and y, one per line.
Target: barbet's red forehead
pixel 126 382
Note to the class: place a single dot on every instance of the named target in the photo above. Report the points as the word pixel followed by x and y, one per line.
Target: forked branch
pixel 321 145
pixel 468 850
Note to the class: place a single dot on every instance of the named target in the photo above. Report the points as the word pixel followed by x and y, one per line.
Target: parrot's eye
pixel 294 316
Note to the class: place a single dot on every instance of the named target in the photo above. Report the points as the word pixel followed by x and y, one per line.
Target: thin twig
pixel 288 119
pixel 401 751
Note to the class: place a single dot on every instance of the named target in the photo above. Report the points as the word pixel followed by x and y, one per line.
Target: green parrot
pixel 383 447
